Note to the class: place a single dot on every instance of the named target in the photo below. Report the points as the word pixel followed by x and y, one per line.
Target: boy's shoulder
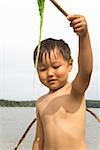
pixel 40 99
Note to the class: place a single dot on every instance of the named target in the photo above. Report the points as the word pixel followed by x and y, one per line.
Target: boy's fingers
pixel 72 17
pixel 77 25
pixel 74 22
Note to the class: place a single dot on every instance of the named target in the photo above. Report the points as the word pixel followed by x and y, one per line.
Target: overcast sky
pixel 19 32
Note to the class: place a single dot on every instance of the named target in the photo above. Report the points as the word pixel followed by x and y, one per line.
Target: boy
pixel 61 112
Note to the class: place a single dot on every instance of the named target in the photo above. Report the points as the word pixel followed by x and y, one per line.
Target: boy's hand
pixel 79 24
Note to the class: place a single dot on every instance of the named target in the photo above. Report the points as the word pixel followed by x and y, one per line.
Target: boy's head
pixel 54 63
pixel 49 45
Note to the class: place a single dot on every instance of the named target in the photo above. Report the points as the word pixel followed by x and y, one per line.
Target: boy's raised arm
pixel 85 59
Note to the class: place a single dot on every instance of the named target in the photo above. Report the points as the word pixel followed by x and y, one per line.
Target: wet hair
pixel 50 44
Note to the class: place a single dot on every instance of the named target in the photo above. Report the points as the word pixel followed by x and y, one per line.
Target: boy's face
pixel 53 71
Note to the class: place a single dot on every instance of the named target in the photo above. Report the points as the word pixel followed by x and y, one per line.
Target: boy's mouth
pixel 51 80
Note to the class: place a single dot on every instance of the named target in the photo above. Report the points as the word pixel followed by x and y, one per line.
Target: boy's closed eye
pixel 44 68
pixel 56 66
pixel 41 68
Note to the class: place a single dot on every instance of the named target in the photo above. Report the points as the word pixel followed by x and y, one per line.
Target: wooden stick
pixel 23 136
pixel 59 7
pixel 92 113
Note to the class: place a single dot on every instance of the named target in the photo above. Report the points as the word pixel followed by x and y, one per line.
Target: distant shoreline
pixel 12 103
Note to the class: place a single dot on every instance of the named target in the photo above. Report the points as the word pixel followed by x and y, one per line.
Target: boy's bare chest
pixel 61 116
pixel 61 108
pixel 63 120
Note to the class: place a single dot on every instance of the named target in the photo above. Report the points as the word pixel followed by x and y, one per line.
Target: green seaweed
pixel 41 4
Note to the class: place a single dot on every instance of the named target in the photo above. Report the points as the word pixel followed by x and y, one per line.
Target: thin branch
pixel 93 114
pixel 59 7
pixel 23 136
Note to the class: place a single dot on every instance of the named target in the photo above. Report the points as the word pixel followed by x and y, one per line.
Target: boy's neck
pixel 65 86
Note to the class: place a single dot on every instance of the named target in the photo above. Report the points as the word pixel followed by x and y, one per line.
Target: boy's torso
pixel 63 120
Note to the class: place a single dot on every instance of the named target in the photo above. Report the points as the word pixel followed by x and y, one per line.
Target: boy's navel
pixel 66 110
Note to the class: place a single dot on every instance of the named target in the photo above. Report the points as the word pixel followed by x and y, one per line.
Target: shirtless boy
pixel 61 113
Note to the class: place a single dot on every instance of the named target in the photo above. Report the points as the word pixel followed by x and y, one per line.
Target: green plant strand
pixel 41 6
pixel 41 12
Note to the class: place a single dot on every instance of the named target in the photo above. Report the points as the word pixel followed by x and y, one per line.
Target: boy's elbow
pixel 86 80
pixel 87 76
pixel 89 73
pixel 86 72
pixel 37 145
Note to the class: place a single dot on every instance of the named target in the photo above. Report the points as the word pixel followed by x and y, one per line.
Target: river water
pixel 14 121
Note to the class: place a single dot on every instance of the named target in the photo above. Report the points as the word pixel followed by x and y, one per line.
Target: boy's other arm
pixel 85 59
pixel 38 142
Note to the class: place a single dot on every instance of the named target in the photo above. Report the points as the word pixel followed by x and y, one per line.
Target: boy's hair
pixel 50 44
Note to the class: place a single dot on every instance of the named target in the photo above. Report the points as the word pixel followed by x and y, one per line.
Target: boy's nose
pixel 50 72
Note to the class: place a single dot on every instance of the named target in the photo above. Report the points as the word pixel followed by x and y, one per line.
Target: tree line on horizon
pixel 13 103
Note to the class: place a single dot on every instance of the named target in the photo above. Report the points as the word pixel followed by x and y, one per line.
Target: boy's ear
pixel 70 64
